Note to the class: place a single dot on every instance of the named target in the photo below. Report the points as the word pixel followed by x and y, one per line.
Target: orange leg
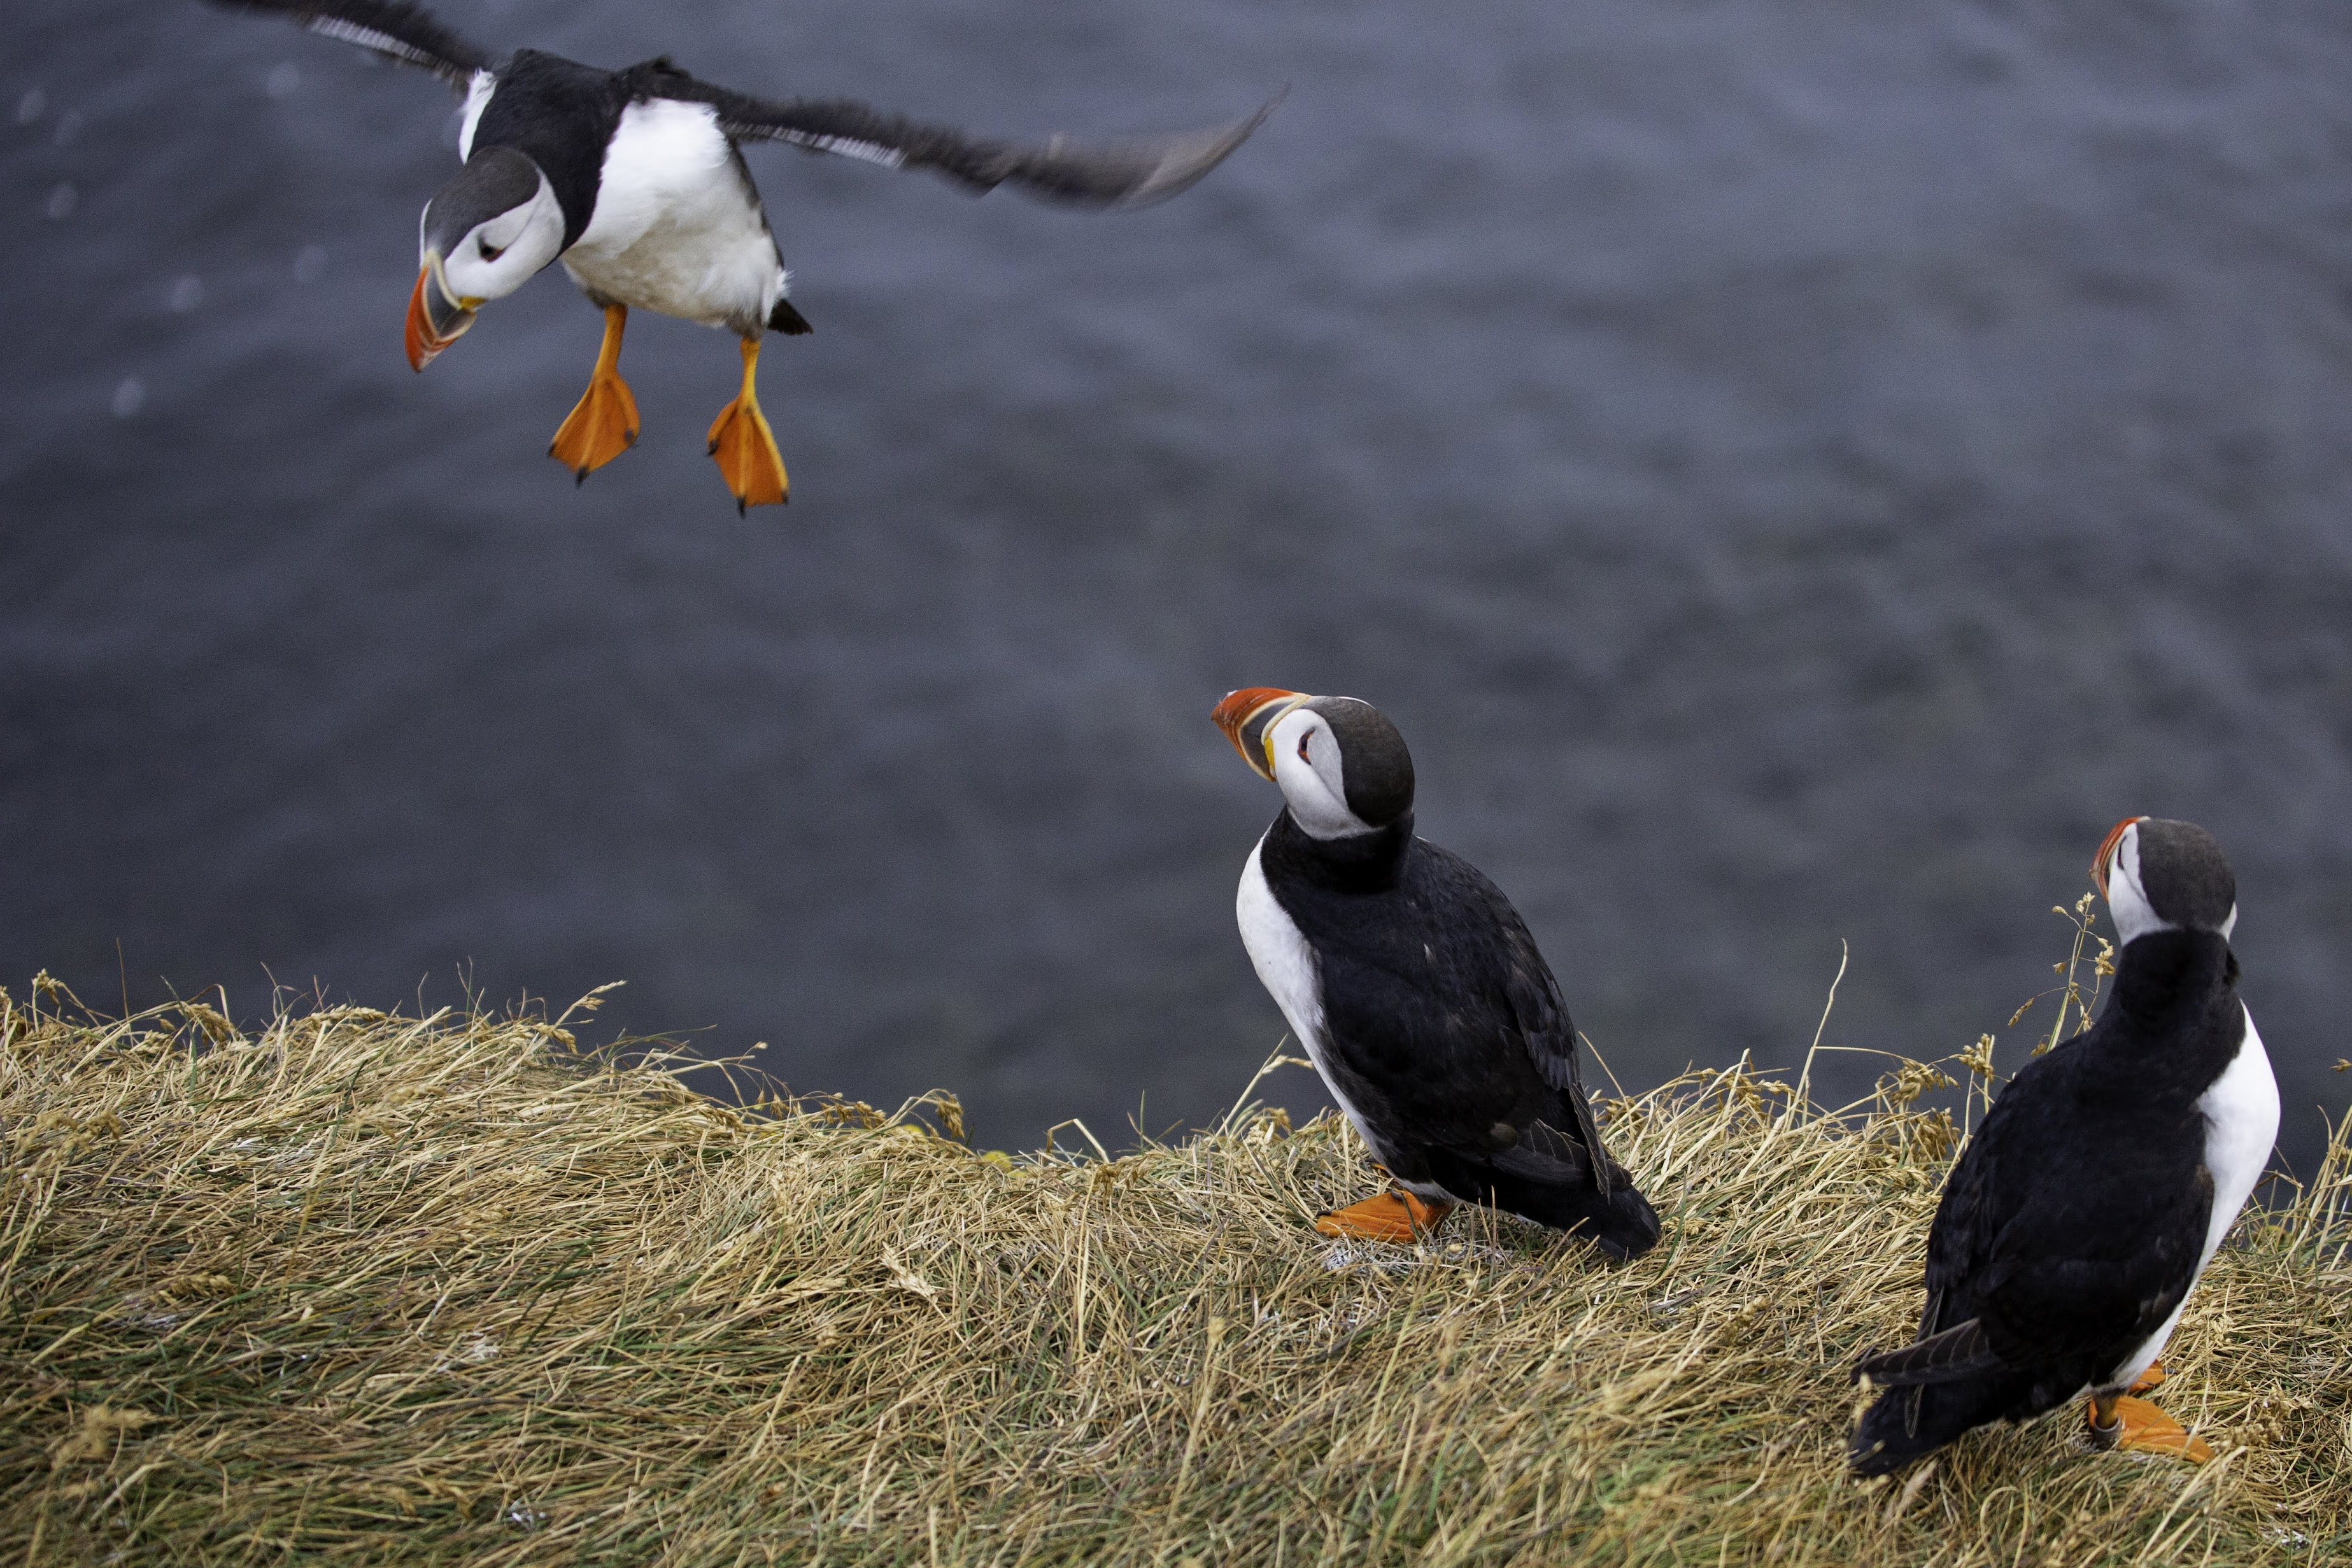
pixel 603 423
pixel 745 448
pixel 2120 1421
pixel 1392 1216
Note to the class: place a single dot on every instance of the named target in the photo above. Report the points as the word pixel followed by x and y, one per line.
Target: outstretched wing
pixel 1126 173
pixel 408 33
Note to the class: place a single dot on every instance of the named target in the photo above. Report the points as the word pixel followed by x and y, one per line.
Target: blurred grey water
pixel 1796 472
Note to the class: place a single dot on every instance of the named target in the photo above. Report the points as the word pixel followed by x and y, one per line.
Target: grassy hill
pixel 372 1288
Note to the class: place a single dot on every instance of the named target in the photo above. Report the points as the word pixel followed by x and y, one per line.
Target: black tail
pixel 785 319
pixel 1909 1423
pixel 1562 1195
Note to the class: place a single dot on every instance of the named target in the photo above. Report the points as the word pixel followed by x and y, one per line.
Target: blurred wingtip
pixel 1187 157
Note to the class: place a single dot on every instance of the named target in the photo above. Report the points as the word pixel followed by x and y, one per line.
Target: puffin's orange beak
pixel 435 319
pixel 2100 861
pixel 1246 715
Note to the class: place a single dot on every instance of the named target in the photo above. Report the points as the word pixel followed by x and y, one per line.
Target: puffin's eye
pixel 1302 746
pixel 490 252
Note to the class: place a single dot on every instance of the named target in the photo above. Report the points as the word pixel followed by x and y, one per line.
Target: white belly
pixel 2241 1118
pixel 677 228
pixel 1286 967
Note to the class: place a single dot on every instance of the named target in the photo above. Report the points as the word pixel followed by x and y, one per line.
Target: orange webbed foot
pixel 745 448
pixel 601 426
pixel 603 423
pixel 2137 1426
pixel 2152 1378
pixel 1398 1216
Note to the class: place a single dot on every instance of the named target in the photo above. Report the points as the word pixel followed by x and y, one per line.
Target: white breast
pixel 677 228
pixel 1286 967
pixel 2241 1118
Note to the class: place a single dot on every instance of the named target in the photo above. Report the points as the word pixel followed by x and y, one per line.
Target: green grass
pixel 372 1288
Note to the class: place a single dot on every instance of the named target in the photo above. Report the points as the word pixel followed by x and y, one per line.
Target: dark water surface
pixel 1796 472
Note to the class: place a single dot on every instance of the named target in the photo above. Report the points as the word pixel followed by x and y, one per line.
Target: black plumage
pixel 634 179
pixel 563 114
pixel 408 33
pixel 1418 990
pixel 2075 1221
pixel 1446 1033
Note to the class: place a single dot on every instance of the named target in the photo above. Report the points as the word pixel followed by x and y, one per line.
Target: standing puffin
pixel 1416 989
pixel 2076 1223
pixel 632 180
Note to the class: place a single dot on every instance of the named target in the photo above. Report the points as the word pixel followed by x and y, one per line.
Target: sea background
pixel 1796 472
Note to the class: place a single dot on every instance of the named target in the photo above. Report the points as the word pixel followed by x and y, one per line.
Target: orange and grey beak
pixel 2102 861
pixel 1246 715
pixel 437 318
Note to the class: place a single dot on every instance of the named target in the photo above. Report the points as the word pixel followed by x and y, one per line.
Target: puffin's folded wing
pixel 1546 1155
pixel 2056 1307
pixel 1548 1034
pixel 1960 1350
pixel 408 33
pixel 1545 1027
pixel 1127 173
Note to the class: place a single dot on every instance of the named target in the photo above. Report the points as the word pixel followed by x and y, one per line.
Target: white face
pixel 503 254
pixel 2127 899
pixel 1306 757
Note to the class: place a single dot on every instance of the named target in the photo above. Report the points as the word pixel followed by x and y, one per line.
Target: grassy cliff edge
pixel 374 1288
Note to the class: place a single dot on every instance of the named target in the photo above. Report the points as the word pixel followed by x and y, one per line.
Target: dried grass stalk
pixel 372 1288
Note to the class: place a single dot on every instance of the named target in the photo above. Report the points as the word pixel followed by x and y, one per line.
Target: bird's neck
pixel 2165 976
pixel 1362 862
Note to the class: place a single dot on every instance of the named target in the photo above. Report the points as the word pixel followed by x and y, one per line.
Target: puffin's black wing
pixel 408 33
pixel 1545 1027
pixel 2061 1232
pixel 1129 174
pixel 1946 1357
pixel 2069 1230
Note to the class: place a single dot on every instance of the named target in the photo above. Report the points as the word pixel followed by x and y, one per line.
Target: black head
pixel 2164 875
pixel 484 234
pixel 495 180
pixel 1341 765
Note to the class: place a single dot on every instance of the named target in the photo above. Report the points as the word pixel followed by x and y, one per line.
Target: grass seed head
pixel 370 1288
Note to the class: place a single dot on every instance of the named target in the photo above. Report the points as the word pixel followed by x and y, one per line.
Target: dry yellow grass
pixel 373 1288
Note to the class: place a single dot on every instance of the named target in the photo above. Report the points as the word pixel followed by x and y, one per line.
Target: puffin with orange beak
pixel 1417 988
pixel 633 181
pixel 2096 1189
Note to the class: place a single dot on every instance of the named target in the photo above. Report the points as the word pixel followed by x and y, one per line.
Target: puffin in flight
pixel 633 181
pixel 1416 989
pixel 2076 1223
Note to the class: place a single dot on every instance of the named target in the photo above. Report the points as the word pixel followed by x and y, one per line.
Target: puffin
pixel 634 180
pixel 1416 989
pixel 2092 1196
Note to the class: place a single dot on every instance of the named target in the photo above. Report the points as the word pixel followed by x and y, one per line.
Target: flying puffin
pixel 2076 1223
pixel 1416 989
pixel 633 181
